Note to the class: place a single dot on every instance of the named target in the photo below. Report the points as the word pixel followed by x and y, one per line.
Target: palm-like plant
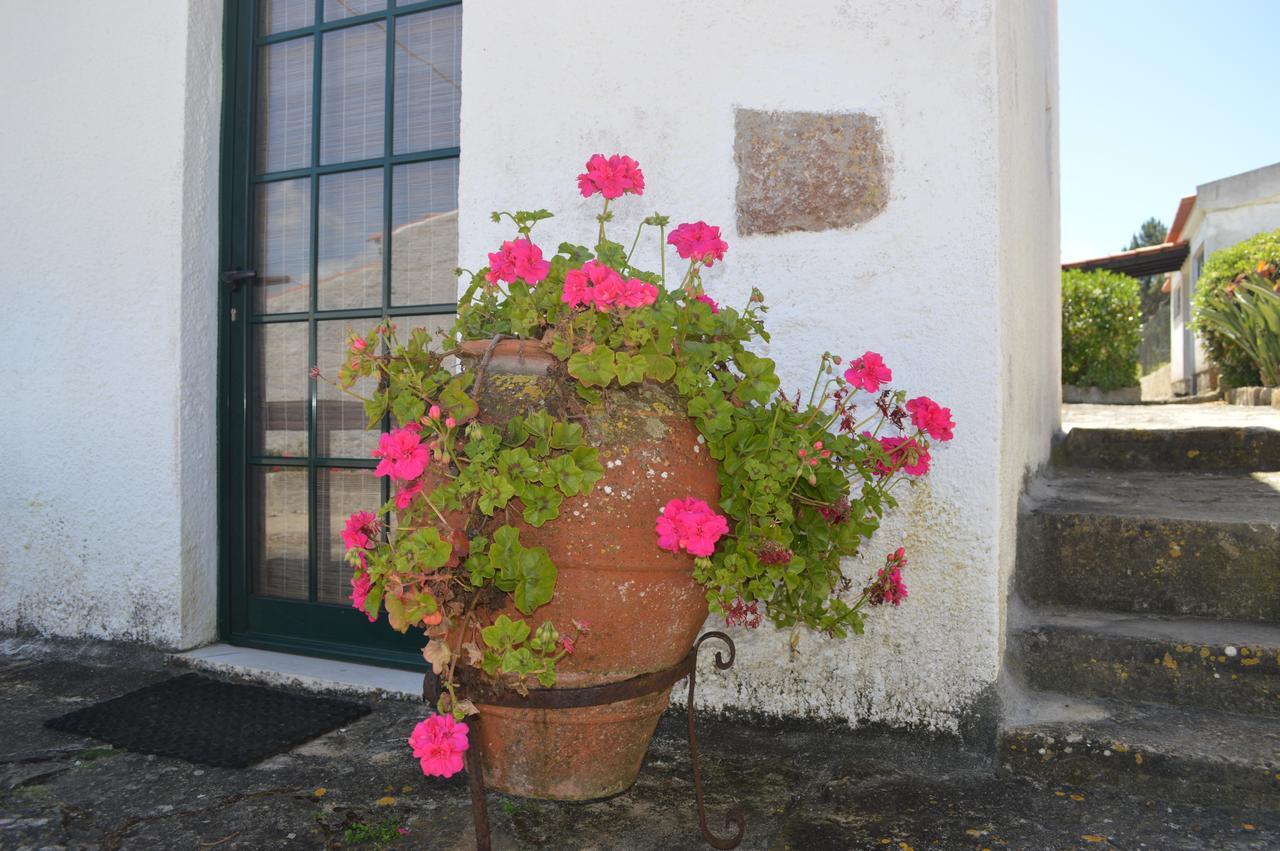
pixel 1248 314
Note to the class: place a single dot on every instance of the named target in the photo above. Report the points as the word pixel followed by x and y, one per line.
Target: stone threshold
pixel 305 672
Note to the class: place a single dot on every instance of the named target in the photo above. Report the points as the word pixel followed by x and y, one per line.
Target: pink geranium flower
pixel 931 417
pixel 581 285
pixel 438 743
pixel 639 294
pixel 405 495
pixel 708 301
pixel 887 585
pixel 905 454
pixel 690 525
pixel 402 453
pixel 611 177
pixel 868 372
pixel 698 241
pixel 361 585
pixel 518 260
pixel 362 527
pixel 597 284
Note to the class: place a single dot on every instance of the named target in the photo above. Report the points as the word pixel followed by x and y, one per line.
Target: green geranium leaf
pixel 541 504
pixel 407 408
pixel 630 369
pixel 537 581
pixel 566 435
pixel 429 549
pixel 564 473
pixel 587 460
pixel 595 369
pixel 505 633
pixel 658 367
pixel 456 402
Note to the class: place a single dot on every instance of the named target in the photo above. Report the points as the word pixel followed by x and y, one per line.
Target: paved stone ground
pixel 1205 415
pixel 804 787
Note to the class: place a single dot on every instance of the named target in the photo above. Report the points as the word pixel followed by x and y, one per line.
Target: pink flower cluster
pixel 595 284
pixel 362 530
pixel 690 525
pixel 931 417
pixel 361 585
pixel 708 301
pixel 362 527
pixel 698 241
pixel 887 585
pixel 612 177
pixel 906 454
pixel 403 454
pixel 438 743
pixel 517 260
pixel 868 372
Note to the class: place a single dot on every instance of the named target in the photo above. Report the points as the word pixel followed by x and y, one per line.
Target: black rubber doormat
pixel 208 721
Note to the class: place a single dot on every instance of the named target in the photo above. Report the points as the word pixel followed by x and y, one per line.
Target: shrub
pixel 1222 268
pixel 1101 329
pixel 1250 320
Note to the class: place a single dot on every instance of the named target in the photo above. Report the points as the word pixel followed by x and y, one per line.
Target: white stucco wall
pixel 965 250
pixel 108 262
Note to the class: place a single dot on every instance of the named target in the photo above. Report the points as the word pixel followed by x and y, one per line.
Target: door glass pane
pixel 280 392
pixel 428 89
pixel 434 324
pixel 336 10
pixel 340 419
pixel 424 233
pixel 352 103
pixel 339 494
pixel 277 16
pixel 284 105
pixel 350 241
pixel 283 283
pixel 278 530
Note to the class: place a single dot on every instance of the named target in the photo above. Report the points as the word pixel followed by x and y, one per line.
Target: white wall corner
pixel 1029 278
pixel 198 325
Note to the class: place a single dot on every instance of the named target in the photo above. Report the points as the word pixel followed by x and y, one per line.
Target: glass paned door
pixel 340 196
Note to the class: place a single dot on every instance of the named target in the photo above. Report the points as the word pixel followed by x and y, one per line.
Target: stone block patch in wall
pixel 808 171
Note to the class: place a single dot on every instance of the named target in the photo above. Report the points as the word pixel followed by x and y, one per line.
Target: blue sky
pixel 1157 97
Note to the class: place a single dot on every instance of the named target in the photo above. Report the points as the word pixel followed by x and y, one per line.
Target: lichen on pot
pixel 612 462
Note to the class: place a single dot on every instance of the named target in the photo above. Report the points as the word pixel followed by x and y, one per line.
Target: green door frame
pixel 294 626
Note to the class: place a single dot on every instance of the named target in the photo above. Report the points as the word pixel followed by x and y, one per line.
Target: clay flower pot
pixel 643 606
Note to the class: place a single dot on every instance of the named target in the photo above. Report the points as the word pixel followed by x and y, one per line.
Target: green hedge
pixel 1223 267
pixel 1101 329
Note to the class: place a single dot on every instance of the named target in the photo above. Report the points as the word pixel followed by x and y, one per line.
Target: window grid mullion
pixel 317 57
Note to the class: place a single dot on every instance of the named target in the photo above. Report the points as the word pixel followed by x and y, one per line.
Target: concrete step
pixel 1187 544
pixel 1205 450
pixel 1150 750
pixel 1230 666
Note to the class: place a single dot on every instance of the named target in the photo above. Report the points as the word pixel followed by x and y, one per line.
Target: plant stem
pixel 634 243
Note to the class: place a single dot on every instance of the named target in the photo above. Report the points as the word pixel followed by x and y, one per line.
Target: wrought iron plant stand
pixel 569 698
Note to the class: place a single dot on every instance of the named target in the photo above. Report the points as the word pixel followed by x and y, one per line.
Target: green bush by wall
pixel 1101 329
pixel 1223 267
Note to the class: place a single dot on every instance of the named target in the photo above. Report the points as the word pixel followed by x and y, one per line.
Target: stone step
pixel 1187 544
pixel 1149 750
pixel 1226 449
pixel 1230 666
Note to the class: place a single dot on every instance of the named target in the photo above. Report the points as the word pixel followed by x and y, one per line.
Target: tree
pixel 1152 232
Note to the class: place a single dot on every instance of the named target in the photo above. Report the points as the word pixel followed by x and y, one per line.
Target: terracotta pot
pixel 644 608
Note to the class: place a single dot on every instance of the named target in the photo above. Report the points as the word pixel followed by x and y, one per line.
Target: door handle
pixel 235 276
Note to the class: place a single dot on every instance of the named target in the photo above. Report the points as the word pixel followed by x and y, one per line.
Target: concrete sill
pixel 305 672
